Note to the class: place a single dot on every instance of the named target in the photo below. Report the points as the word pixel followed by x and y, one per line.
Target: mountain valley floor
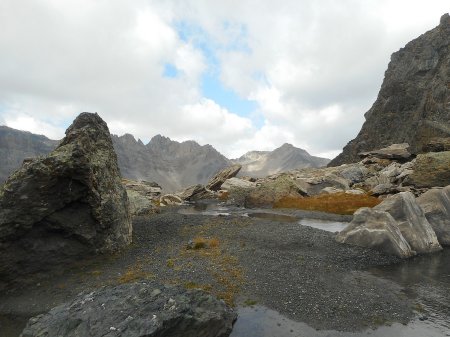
pixel 298 271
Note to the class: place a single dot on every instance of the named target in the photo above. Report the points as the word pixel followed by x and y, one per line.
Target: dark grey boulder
pixel 411 221
pixel 377 230
pixel 436 205
pixel 136 310
pixel 66 205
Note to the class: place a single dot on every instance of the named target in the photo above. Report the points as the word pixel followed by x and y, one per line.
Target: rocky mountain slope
pixel 17 145
pixel 285 158
pixel 413 105
pixel 171 164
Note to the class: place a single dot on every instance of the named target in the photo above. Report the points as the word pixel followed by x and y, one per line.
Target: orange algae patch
pixel 339 203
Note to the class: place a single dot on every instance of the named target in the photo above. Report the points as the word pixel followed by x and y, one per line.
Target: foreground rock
pixel 136 310
pixel 411 221
pixel 227 173
pixel 143 196
pixel 431 170
pixel 377 230
pixel 436 205
pixel 412 105
pixel 66 205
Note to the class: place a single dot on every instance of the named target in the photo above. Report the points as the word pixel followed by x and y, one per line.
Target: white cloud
pixel 29 123
pixel 313 67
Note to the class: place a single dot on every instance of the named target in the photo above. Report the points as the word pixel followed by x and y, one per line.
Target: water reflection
pixel 326 225
pixel 425 279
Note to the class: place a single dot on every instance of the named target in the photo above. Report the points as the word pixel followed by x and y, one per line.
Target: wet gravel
pixel 297 270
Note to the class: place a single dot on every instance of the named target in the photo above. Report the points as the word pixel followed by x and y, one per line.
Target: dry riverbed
pixel 298 271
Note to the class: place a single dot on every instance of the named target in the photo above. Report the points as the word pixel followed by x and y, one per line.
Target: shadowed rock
pixel 377 230
pixel 412 104
pixel 68 204
pixel 436 205
pixel 136 310
pixel 411 221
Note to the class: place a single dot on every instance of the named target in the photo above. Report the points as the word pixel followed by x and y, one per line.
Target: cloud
pixel 312 69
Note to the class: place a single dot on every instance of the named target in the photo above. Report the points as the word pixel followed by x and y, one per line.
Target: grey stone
pixel 237 183
pixel 393 151
pixel 331 190
pixel 412 222
pixel 136 310
pixel 436 205
pixel 170 199
pixel 378 230
pixel 66 205
pixel 229 172
pixel 196 192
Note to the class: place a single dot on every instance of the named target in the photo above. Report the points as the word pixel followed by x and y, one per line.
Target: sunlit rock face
pixel 413 102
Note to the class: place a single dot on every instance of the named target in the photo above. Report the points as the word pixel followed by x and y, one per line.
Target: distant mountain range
pixel 171 164
pixel 284 158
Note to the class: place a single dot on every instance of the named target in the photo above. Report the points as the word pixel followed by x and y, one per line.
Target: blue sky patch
pixel 170 70
pixel 211 86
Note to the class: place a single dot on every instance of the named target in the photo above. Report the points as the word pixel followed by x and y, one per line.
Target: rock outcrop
pixel 66 205
pixel 196 192
pixel 220 177
pixel 413 102
pixel 377 230
pixel 393 151
pixel 411 221
pixel 436 205
pixel 143 196
pixel 140 309
pixel 431 170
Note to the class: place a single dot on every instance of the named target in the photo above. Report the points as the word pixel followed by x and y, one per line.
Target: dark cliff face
pixel 413 104
pixel 17 145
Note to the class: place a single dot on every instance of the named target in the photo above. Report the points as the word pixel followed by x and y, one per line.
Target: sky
pixel 240 75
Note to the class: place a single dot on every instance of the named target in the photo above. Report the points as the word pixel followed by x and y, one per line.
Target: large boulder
pixel 393 151
pixel 227 173
pixel 431 170
pixel 69 204
pixel 237 183
pixel 436 205
pixel 143 196
pixel 136 310
pixel 377 230
pixel 196 192
pixel 411 221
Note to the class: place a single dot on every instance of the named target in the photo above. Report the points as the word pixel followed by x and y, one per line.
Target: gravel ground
pixel 299 271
